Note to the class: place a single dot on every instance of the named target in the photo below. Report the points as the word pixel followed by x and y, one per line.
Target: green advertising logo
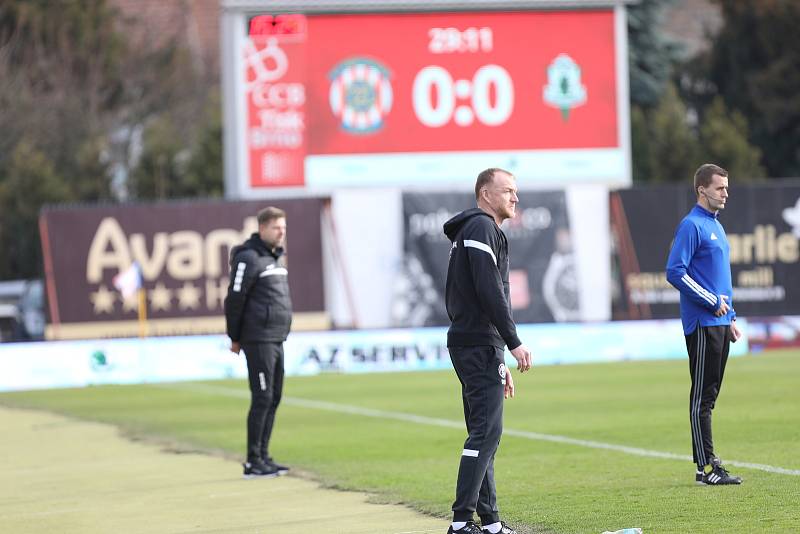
pixel 99 361
pixel 564 89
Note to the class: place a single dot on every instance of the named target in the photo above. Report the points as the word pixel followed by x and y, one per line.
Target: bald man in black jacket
pixel 477 298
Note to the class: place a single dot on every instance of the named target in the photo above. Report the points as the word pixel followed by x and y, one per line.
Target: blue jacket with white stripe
pixel 477 289
pixel 699 267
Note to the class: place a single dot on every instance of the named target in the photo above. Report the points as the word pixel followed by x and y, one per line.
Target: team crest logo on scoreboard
pixel 564 89
pixel 360 95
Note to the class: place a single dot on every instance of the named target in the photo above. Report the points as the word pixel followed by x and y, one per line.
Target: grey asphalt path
pixel 68 476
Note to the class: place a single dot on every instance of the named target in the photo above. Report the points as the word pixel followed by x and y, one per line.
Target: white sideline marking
pixel 447 423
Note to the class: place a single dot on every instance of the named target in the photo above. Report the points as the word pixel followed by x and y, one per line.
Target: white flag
pixel 129 280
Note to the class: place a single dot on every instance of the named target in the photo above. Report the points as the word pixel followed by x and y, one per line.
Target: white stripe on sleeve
pixel 481 246
pixel 470 452
pixel 273 272
pixel 237 281
pixel 697 288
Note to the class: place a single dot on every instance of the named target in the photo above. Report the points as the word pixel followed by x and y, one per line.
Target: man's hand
pixel 523 357
pixel 235 347
pixel 735 332
pixel 723 307
pixel 508 389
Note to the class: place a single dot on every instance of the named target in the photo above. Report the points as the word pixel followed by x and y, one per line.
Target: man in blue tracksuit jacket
pixel 699 267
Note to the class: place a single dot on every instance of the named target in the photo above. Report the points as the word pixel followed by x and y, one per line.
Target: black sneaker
pixel 469 528
pixel 718 476
pixel 282 469
pixel 504 529
pixel 257 468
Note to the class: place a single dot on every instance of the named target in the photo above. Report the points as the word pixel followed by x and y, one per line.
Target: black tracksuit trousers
pixel 481 371
pixel 265 374
pixel 708 353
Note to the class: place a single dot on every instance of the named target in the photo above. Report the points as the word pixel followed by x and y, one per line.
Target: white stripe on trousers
pixel 703 342
pixel 697 396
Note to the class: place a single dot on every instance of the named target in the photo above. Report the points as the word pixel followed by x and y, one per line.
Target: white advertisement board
pixel 63 364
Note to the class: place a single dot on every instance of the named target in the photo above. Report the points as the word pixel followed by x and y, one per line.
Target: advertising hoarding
pixel 182 251
pixel 554 242
pixel 762 223
pixel 170 359
pixel 542 286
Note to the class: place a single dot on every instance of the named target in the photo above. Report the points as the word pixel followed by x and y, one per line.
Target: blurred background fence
pixel 152 132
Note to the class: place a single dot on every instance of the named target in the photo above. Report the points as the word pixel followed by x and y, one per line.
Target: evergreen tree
pixel 723 136
pixel 642 151
pixel 651 60
pixel 30 181
pixel 672 149
pixel 754 65
pixel 204 171
pixel 673 132
pixel 650 54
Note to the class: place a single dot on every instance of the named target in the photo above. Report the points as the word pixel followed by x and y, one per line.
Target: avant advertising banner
pixel 762 223
pixel 182 250
pixel 543 279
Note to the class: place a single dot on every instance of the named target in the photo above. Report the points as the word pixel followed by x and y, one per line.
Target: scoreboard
pixel 319 101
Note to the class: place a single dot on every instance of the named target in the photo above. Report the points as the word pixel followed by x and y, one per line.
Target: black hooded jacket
pixel 477 291
pixel 258 307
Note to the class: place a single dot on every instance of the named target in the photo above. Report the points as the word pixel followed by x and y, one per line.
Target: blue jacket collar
pixel 700 210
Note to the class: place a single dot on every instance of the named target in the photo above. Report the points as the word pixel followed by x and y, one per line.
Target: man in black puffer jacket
pixel 258 316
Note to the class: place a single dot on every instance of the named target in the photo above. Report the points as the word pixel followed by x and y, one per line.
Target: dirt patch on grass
pixel 69 476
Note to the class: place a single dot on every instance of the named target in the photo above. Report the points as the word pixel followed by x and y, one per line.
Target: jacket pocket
pixel 279 319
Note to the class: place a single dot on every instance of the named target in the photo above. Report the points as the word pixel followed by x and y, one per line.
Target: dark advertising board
pixel 542 278
pixel 182 250
pixel 762 223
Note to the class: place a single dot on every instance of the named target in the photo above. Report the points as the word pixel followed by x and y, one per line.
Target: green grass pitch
pixel 543 486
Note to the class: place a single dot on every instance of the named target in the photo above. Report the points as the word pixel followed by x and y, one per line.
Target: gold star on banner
pixel 131 303
pixel 188 297
pixel 103 300
pixel 160 298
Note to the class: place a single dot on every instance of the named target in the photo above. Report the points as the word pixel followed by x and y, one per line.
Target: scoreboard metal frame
pixel 422 94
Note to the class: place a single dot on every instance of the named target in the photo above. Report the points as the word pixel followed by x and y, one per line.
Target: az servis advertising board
pixel 425 99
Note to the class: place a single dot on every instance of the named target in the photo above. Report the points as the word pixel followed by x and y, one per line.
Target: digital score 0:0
pixel 489 93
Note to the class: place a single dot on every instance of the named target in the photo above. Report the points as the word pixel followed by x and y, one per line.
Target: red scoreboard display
pixel 429 99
